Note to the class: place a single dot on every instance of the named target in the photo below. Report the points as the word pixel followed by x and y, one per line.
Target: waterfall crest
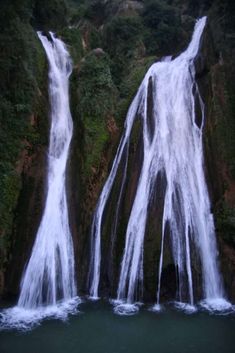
pixel 172 146
pixel 48 284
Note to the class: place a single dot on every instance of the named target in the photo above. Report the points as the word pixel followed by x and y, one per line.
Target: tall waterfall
pixel 172 146
pixel 48 284
pixel 52 258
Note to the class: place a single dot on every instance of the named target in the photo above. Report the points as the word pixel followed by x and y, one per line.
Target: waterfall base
pixel 186 307
pixel 157 308
pixel 25 319
pixel 126 309
pixel 93 298
pixel 219 305
pixel 97 330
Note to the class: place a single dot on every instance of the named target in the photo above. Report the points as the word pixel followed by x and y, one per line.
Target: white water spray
pixel 172 146
pixel 48 284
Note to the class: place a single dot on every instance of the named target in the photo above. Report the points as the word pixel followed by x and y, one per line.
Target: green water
pixel 97 330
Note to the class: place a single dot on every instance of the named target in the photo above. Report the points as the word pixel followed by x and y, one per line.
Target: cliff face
pixel 112 44
pixel 24 131
pixel 218 52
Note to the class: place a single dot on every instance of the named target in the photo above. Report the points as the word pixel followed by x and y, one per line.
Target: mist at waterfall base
pixel 48 285
pixel 173 152
pixel 96 329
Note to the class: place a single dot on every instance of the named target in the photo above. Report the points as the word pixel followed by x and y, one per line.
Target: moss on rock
pixel 22 113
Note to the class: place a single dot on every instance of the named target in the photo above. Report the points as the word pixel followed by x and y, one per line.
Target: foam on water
pixel 157 308
pixel 26 319
pixel 219 305
pixel 126 309
pixel 185 307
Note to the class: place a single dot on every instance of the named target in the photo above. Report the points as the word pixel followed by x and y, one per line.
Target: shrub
pixel 95 85
pixel 162 24
pixel 122 36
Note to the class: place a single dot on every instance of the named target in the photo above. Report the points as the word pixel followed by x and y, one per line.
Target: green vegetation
pixel 50 14
pixel 163 27
pixel 96 12
pixel 130 84
pixel 22 68
pixel 96 88
pixel 96 103
pixel 73 39
pixel 122 39
pixel 96 138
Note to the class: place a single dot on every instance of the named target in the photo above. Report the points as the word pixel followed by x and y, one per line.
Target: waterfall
pixel 172 146
pixel 48 284
pixel 52 257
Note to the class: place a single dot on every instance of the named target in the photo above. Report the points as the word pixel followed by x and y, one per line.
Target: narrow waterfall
pixel 52 258
pixel 48 283
pixel 172 146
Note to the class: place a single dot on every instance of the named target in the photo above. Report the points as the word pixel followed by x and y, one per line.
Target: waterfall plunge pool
pixel 96 329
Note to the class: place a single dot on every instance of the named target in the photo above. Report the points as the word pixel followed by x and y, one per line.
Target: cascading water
pixel 48 284
pixel 172 146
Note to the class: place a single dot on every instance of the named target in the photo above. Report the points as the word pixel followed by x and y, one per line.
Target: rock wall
pixel 219 140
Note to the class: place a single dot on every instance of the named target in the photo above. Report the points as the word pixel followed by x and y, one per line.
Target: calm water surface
pixel 96 329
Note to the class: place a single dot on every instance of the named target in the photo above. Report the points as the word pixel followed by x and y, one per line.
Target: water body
pixel 173 151
pixel 97 330
pixel 48 284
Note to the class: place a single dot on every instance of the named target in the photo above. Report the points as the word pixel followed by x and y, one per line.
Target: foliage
pixel 122 37
pixel 96 138
pixel 96 102
pixel 95 39
pixel 162 23
pixel 92 37
pixel 22 64
pixel 73 39
pixel 130 85
pixel 96 88
pixel 50 14
pixel 96 12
